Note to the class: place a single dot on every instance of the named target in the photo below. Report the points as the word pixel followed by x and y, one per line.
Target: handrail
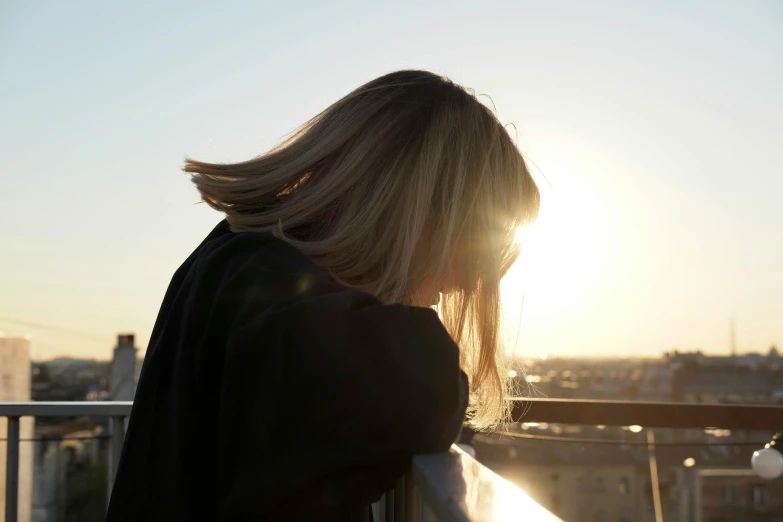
pixel 13 411
pixel 648 414
pixel 65 409
pixel 451 487
pixel 455 487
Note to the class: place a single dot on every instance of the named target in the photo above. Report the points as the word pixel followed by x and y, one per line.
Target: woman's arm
pixel 325 399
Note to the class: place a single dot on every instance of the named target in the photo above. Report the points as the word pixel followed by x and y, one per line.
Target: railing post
pixel 388 506
pixel 412 501
pixel 12 471
pixel 399 500
pixel 656 489
pixel 117 440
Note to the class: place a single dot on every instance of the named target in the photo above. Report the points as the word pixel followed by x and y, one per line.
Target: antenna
pixel 732 339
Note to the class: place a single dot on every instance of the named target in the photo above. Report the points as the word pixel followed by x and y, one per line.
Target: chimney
pixel 122 381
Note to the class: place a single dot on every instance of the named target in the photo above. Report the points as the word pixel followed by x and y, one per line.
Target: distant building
pixel 749 378
pixel 15 387
pixel 71 468
pixel 66 379
pixel 752 361
pixel 611 482
pixel 599 483
pixel 725 495
pixel 122 381
pixel 608 379
pixel 71 474
pixel 605 492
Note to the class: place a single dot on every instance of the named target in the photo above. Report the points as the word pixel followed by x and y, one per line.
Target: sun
pixel 562 252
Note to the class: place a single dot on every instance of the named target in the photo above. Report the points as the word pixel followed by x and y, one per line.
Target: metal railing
pixel 454 487
pixel 13 411
pixel 447 487
pixel 450 487
pixel 649 414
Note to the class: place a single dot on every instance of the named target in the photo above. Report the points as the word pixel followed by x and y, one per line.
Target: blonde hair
pixel 405 178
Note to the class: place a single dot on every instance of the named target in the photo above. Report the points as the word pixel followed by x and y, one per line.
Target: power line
pixel 617 442
pixel 41 326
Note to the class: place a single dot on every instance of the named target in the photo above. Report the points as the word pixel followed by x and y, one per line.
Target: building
pixel 699 480
pixel 66 379
pixel 15 387
pixel 630 379
pixel 748 378
pixel 71 457
pixel 71 472
pixel 578 482
pixel 122 381
pixel 735 494
pixel 576 492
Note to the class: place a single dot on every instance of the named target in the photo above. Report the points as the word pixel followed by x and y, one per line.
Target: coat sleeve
pixel 326 398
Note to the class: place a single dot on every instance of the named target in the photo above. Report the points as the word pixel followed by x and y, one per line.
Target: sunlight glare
pixel 562 252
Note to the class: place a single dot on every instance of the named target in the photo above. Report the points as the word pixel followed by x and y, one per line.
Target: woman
pixel 296 364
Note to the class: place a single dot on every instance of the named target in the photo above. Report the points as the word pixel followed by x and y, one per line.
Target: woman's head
pixel 406 188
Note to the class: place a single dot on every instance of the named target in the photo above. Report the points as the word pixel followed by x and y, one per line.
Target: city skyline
pixel 530 357
pixel 653 132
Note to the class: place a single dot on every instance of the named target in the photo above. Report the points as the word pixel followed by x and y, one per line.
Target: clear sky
pixel 658 128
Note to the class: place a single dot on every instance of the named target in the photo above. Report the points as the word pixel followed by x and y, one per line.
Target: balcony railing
pixel 117 412
pixel 649 414
pixel 451 487
pixel 447 487
pixel 456 487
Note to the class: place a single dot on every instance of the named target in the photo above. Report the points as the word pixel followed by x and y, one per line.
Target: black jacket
pixel 269 392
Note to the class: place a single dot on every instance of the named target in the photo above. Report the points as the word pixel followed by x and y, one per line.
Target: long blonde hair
pixel 407 167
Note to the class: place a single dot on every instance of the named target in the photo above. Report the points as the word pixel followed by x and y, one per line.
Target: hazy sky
pixel 659 128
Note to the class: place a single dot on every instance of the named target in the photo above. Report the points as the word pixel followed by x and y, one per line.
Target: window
pixel 8 384
pixel 624 488
pixel 759 494
pixel 728 494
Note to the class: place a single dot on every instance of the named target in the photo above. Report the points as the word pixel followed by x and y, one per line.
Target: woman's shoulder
pixel 251 250
pixel 253 267
pixel 255 273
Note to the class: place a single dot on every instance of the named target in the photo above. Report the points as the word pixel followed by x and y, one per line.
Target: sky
pixel 654 130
